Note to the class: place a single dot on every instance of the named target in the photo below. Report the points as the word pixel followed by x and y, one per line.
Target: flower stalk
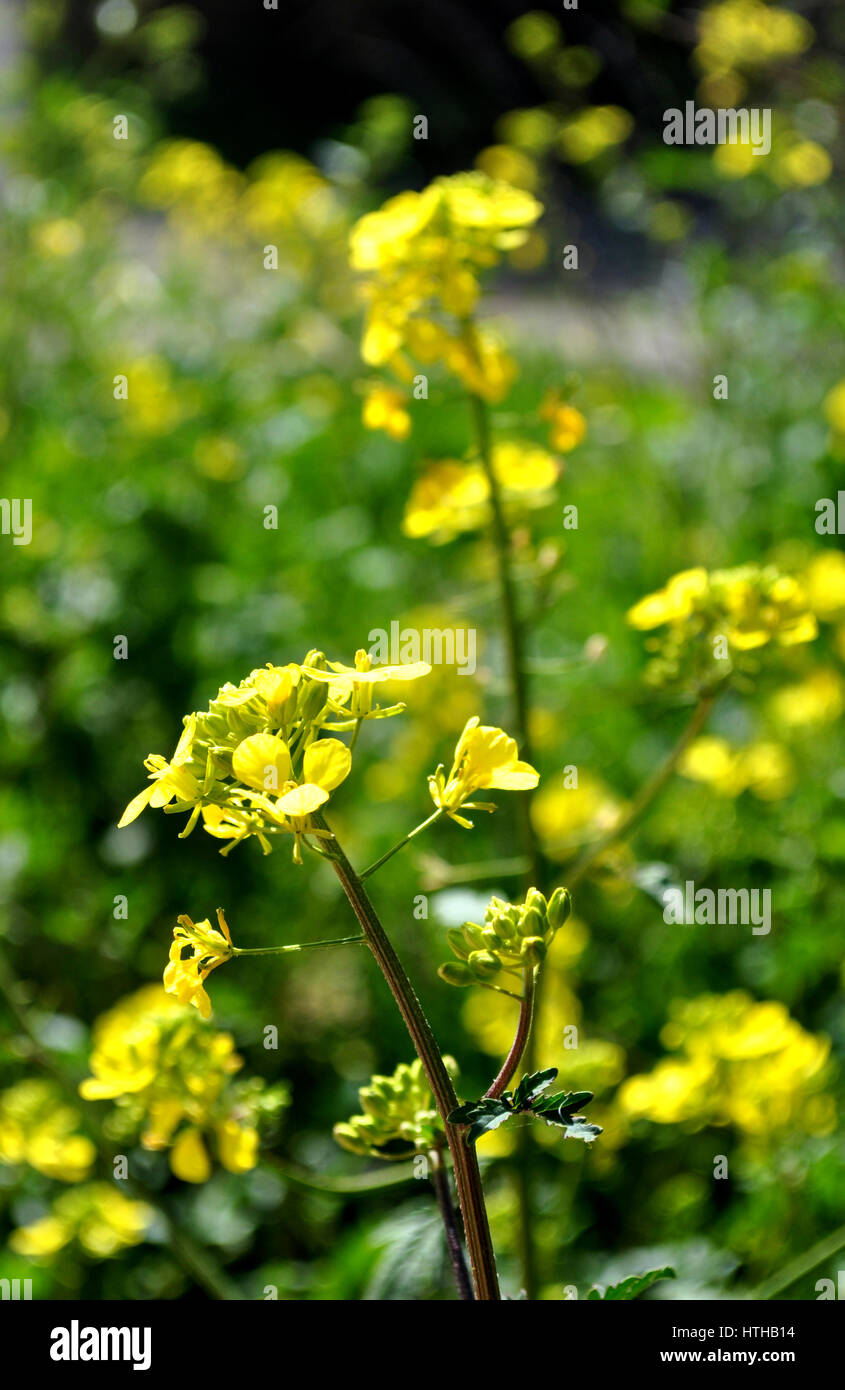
pixel 464 1160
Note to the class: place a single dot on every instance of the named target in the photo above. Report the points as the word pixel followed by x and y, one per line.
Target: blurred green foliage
pixel 149 522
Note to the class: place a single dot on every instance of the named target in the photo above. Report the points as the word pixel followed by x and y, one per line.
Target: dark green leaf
pixel 633 1286
pixel 531 1086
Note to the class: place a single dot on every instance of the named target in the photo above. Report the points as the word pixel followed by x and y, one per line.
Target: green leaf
pixel 482 1115
pixel 532 1086
pixel 564 1102
pixel 633 1286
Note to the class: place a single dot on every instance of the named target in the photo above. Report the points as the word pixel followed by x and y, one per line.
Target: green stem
pixel 357 1183
pixel 300 946
pixel 802 1265
pixel 520 1042
pixel 402 843
pixel 464 1159
pixel 443 1193
pixel 648 792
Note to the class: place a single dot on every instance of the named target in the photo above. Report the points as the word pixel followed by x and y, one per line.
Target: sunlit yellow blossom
pixel 567 426
pixel 485 758
pixel 197 949
pixel 834 407
pixel 386 408
pixel 743 1063
pixel 97 1215
pixel 714 618
pixel 254 763
pixel 169 781
pixel 39 1128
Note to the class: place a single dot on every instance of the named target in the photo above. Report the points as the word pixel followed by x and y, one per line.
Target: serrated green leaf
pixel 531 1086
pixel 476 1109
pixel 563 1102
pixel 633 1286
pixel 487 1123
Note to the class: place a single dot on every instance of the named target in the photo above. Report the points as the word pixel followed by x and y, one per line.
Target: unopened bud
pixel 484 964
pixel 456 974
pixel 560 906
pixel 533 950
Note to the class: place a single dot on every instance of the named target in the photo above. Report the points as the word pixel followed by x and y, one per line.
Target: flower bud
pixel 483 964
pixel 533 922
pixel 560 906
pixel 456 974
pixel 533 950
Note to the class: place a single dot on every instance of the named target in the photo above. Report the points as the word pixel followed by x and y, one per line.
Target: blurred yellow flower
pixel 834 407
pixel 422 254
pixel 593 130
pixel 97 1215
pixel 765 768
pixel 450 497
pixel 818 699
pixel 171 1076
pixel 386 408
pixel 713 618
pixel 567 426
pixel 39 1128
pixel 824 578
pixel 744 1063
pixel 565 817
pixel 749 33
pixel 58 238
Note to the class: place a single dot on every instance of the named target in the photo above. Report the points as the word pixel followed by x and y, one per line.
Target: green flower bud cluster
pixel 399 1119
pixel 514 936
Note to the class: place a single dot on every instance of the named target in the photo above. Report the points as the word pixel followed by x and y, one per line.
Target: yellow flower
pixel 422 254
pixel 824 578
pixel 263 762
pixel 819 699
pixel 485 758
pixel 385 408
pixel 744 1063
pixel 39 1128
pixel 764 768
pixel 170 781
pixel 451 497
pixel 567 426
pixel 97 1215
pixel 714 618
pixel 171 1077
pixel 185 974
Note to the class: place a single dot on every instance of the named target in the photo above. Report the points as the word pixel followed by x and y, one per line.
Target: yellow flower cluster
pixel 254 763
pixel 712 619
pixel 743 1063
pixel 172 1076
pixel 96 1214
pixel 764 768
pixel 400 1117
pixel 284 200
pixel 567 426
pixel 749 33
pixel 39 1128
pixel 485 758
pixel 514 937
pixel 451 497
pixel 422 254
